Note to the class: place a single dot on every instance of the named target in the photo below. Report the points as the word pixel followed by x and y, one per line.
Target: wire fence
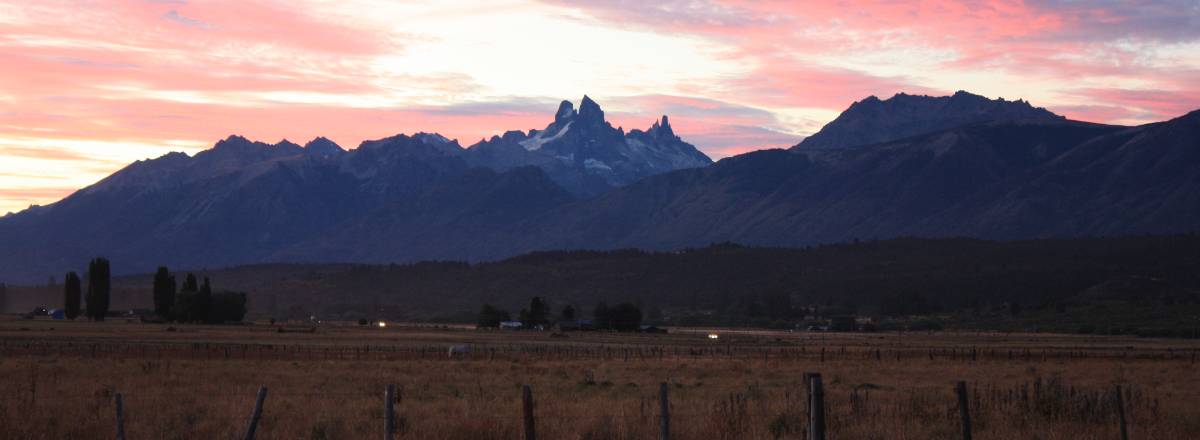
pixel 791 411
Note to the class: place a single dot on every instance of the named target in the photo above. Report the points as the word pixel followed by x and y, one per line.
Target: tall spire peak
pixel 566 112
pixel 590 111
pixel 664 126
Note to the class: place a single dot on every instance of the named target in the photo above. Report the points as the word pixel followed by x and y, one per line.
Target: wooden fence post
pixel 1121 414
pixel 664 406
pixel 808 397
pixel 257 414
pixel 964 412
pixel 527 410
pixel 816 426
pixel 389 415
pixel 120 417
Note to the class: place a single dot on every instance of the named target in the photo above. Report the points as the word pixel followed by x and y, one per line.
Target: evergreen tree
pixel 189 284
pixel 99 288
pixel 227 307
pixel 71 294
pixel 602 316
pixel 164 292
pixel 568 313
pixel 625 317
pixel 204 302
pixel 539 313
pixel 3 297
pixel 490 316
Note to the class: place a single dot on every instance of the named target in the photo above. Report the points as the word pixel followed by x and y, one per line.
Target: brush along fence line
pixel 271 351
pixel 813 418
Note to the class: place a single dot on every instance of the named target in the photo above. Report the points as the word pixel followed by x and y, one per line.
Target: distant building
pixel 138 313
pixel 57 314
pixel 843 324
pixel 652 329
pixel 512 325
pixel 577 325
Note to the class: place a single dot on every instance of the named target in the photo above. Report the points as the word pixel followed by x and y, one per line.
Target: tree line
pixel 193 302
pixel 624 317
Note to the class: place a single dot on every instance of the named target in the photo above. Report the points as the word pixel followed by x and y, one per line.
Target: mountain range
pixel 962 165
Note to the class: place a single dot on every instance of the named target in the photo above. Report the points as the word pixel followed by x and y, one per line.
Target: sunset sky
pixel 89 86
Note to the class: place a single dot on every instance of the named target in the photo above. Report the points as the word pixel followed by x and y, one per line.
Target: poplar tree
pixel 71 295
pixel 164 292
pixel 99 288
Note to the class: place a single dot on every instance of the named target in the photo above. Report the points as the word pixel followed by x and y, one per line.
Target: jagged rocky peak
pixel 233 141
pixel 662 128
pixel 236 149
pixel 590 112
pixel 566 112
pixel 419 144
pixel 287 147
pixel 322 146
pixel 872 120
pixel 240 144
pixel 433 138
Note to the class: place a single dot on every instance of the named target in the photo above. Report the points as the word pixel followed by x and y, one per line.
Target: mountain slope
pixel 999 180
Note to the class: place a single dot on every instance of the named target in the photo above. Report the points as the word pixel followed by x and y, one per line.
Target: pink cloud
pixel 1043 41
pixel 1136 104
pixel 150 72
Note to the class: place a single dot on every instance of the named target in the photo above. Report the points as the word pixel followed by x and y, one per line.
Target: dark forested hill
pixel 736 285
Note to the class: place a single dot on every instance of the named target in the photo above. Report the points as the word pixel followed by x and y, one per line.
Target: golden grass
pixel 329 384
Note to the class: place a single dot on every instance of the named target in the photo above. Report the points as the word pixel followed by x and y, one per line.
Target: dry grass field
pixel 58 379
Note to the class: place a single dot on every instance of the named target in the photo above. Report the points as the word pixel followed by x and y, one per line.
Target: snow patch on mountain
pixel 535 143
pixel 593 164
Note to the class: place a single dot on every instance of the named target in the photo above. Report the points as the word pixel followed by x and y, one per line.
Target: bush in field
pixel 71 295
pixel 99 288
pixel 164 292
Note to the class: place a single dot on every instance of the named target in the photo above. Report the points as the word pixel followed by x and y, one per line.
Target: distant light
pixel 382 324
pixel 714 336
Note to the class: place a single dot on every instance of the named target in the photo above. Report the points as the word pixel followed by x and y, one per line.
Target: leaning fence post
pixel 664 409
pixel 389 415
pixel 120 417
pixel 257 414
pixel 1121 414
pixel 527 410
pixel 964 412
pixel 816 426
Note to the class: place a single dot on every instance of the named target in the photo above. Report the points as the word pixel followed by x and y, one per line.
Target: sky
pixel 87 87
